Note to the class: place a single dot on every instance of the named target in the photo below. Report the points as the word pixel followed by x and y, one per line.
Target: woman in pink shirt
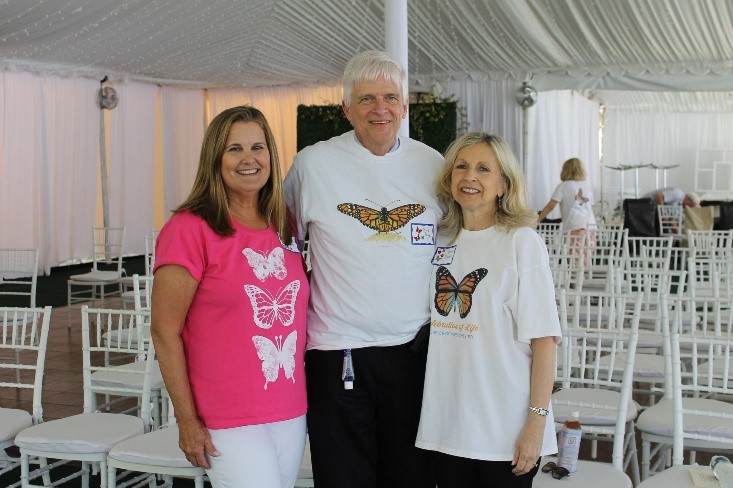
pixel 228 312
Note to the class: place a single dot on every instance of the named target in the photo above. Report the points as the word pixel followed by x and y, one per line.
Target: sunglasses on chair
pixel 558 472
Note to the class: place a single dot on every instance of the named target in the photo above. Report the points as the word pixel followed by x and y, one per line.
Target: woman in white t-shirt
pixel 575 196
pixel 494 325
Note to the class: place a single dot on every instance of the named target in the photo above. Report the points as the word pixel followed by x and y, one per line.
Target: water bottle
pixel 723 471
pixel 567 455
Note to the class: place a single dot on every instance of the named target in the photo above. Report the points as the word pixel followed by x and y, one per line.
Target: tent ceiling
pixel 281 42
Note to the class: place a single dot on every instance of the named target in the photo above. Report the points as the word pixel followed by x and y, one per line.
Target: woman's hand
pixel 529 443
pixel 195 442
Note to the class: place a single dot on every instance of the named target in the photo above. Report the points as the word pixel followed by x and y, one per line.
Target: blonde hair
pixel 572 170
pixel 208 198
pixel 512 210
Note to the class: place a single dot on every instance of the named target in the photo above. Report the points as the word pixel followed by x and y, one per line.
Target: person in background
pixel 674 196
pixel 228 312
pixel 366 200
pixel 575 196
pixel 491 361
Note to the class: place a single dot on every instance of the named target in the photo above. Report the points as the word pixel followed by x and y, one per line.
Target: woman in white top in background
pixel 575 196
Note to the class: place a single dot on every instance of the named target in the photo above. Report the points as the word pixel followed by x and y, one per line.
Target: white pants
pixel 258 456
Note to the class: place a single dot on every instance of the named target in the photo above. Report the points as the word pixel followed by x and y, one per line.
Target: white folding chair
pixel 106 269
pixel 88 437
pixel 692 434
pixel 127 297
pixel 23 340
pixel 19 274
pixel 603 400
pixel 671 220
pixel 699 363
pixel 154 453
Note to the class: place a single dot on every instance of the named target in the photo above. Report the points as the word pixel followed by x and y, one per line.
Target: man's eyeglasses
pixel 558 472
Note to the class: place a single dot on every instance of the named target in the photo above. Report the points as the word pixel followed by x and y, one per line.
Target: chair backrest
pixel 597 310
pixel 98 324
pixel 710 243
pixel 701 368
pixel 23 341
pixel 601 359
pixel 108 247
pixel 19 273
pixel 671 219
pixel 699 218
pixel 709 277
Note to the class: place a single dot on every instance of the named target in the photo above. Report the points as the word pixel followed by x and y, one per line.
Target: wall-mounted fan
pixel 107 97
pixel 526 95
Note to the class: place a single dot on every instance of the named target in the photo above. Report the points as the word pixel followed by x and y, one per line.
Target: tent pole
pixel 103 168
pixel 395 42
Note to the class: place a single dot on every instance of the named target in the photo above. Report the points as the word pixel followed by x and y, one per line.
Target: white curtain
pixel 562 125
pixel 131 162
pixel 489 107
pixel 182 125
pixel 49 150
pixel 280 106
pixel 664 139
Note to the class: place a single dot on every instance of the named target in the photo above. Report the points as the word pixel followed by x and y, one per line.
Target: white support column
pixel 395 41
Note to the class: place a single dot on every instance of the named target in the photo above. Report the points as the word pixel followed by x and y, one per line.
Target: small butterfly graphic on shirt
pixel 268 308
pixel 450 295
pixel 580 199
pixel 276 355
pixel 264 265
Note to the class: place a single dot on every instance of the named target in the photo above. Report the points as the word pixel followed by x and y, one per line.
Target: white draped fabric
pixel 131 162
pixel 563 125
pixel 182 125
pixel 49 149
pixel 664 138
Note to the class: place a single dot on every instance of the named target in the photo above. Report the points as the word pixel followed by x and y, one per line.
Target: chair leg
pixel 112 477
pixel 46 476
pixel 199 482
pixel 645 454
pixel 24 470
pixel 632 455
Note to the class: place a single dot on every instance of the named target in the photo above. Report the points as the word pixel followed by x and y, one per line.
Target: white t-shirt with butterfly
pixel 491 293
pixel 372 223
pixel 576 200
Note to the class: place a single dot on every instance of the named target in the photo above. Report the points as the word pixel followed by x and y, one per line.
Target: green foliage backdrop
pixel 431 123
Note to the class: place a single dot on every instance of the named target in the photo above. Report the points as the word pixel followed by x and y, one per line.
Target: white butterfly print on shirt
pixel 265 265
pixel 275 355
pixel 268 308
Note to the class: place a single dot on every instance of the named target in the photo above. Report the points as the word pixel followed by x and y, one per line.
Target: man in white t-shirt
pixel 366 200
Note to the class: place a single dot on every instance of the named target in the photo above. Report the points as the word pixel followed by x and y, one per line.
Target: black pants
pixel 365 437
pixel 458 472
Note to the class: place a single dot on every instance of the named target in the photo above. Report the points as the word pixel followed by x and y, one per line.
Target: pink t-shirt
pixel 244 335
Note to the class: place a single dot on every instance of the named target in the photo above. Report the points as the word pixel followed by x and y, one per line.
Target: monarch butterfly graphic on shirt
pixel 451 295
pixel 382 220
pixel 276 355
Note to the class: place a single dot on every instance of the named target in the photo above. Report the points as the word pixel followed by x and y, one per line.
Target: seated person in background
pixel 674 196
